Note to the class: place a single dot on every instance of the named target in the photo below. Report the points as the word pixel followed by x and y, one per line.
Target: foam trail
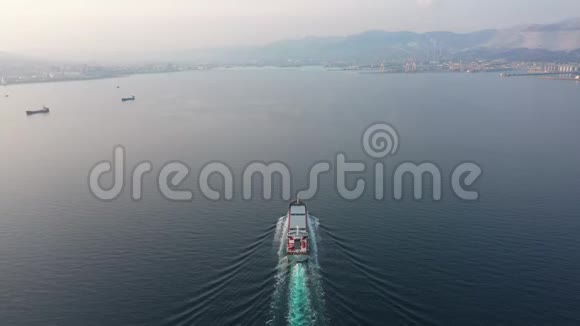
pixel 300 308
pixel 277 306
pixel 281 229
pixel 298 298
pixel 313 225
pixel 314 276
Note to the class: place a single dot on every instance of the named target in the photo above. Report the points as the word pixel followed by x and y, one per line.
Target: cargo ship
pixel 125 99
pixel 297 247
pixel 44 110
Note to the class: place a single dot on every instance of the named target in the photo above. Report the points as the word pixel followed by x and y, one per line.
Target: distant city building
pixel 410 66
pixel 555 68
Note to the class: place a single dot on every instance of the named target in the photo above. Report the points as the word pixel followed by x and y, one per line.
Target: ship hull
pixel 37 112
pixel 297 239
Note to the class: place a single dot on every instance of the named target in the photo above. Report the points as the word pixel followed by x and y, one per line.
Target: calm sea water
pixel 510 258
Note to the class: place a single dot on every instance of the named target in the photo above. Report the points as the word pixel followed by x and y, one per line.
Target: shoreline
pixel 89 78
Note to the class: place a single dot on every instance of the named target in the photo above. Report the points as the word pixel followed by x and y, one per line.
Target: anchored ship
pixel 44 110
pixel 125 99
pixel 297 248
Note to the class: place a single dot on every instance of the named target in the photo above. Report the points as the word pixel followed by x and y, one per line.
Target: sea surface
pixel 510 258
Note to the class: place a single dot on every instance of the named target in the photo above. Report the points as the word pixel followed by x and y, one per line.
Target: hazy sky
pixel 90 29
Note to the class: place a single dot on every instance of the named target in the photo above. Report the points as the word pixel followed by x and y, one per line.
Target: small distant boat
pixel 125 99
pixel 44 110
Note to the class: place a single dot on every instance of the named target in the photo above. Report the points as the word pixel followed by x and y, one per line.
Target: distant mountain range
pixel 558 42
pixel 549 42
